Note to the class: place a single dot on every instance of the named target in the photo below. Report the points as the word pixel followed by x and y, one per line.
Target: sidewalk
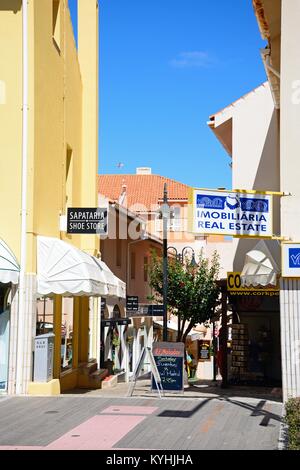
pixel 92 421
pixel 198 389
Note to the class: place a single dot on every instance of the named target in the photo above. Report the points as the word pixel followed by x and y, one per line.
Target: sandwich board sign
pixel 169 358
pixel 155 373
pixel 233 213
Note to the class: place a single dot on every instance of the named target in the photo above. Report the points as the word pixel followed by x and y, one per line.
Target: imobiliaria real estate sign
pixel 242 213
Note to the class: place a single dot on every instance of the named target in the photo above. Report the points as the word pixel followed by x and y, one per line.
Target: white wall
pixel 255 157
pixel 290 118
pixel 290 182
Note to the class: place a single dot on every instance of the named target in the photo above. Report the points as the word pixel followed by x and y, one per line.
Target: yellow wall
pixel 56 121
pixel 88 53
pixel 10 122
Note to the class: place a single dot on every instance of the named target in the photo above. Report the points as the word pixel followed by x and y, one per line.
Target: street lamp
pixel 165 214
pixel 181 256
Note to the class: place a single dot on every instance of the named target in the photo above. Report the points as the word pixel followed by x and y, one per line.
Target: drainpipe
pixel 21 314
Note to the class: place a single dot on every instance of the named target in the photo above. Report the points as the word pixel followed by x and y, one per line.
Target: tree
pixel 192 290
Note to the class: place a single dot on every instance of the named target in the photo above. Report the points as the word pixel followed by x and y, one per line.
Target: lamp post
pixel 180 257
pixel 165 213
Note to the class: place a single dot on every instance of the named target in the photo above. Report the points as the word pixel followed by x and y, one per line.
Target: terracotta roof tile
pixel 145 190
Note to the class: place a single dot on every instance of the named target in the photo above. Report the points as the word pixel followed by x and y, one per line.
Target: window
pixel 67 334
pixel 116 312
pixel 45 318
pixel 145 268
pixel 69 177
pixel 132 265
pixel 119 253
pixel 56 22
pixel 175 223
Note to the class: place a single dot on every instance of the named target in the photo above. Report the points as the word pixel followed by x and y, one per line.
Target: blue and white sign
pixel 232 213
pixel 291 260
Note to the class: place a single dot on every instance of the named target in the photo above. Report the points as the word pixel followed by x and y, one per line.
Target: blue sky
pixel 165 66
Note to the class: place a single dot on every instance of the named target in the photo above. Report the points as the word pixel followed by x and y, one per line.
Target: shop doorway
pixel 255 341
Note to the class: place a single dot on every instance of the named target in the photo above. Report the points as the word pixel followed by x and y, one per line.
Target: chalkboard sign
pixel 169 358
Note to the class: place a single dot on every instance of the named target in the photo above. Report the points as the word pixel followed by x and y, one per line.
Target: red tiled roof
pixel 145 190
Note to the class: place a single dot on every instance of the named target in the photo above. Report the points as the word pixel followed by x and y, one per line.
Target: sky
pixel 165 67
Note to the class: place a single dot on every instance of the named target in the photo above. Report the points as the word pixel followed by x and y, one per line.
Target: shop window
pixel 56 23
pixel 67 334
pixel 132 265
pixel 116 312
pixel 45 318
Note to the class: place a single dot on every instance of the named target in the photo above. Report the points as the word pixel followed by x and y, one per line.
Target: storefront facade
pixel 254 334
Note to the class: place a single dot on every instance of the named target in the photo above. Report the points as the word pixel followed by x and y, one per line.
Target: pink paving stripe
pixel 99 432
pixel 130 410
pixel 21 448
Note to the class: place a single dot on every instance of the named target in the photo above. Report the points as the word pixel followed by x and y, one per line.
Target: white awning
pixel 115 286
pixel 260 268
pixel 64 269
pixel 9 266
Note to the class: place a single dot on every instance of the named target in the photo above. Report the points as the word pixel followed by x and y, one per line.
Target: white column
pixel 107 344
pixel 94 326
pixel 135 356
pixel 290 177
pixel 290 337
pixel 24 364
pixel 13 341
pixel 91 327
pixel 98 331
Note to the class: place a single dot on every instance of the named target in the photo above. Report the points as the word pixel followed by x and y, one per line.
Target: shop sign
pixel 235 287
pixel 239 214
pixel 87 221
pixel 169 358
pixel 155 310
pixel 111 322
pixel 132 303
pixel 204 350
pixel 290 260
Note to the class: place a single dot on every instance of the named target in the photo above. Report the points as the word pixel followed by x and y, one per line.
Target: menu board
pixel 169 358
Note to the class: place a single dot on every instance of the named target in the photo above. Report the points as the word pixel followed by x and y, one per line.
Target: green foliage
pixel 292 419
pixel 192 290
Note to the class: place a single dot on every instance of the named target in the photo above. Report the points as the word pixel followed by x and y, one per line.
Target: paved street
pixel 95 422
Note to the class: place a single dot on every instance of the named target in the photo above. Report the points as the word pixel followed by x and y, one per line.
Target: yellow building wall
pixel 88 54
pixel 10 122
pixel 58 120
pixel 55 123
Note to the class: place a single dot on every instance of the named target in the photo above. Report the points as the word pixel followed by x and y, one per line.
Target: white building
pixel 261 133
